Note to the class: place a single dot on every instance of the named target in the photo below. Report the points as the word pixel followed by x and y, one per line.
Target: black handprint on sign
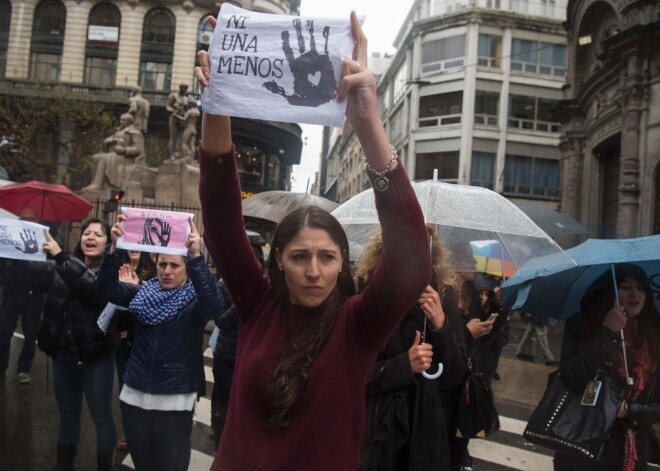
pixel 314 80
pixel 163 232
pixel 29 239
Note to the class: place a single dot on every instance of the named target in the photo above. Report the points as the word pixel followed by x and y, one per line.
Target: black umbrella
pixel 554 223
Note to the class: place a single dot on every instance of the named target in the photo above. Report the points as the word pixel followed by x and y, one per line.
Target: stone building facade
pixel 610 116
pixel 100 50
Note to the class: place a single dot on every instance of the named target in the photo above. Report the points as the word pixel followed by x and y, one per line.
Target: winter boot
pixel 104 462
pixel 65 457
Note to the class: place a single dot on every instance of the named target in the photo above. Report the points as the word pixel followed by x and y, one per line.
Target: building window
pixel 532 114
pixel 443 54
pixel 45 67
pixel 155 76
pixel 250 161
pixel 548 8
pixel 445 162
pixel 47 41
pixel 481 169
pixel 157 50
pixel 100 71
pixel 399 82
pixel 520 6
pixel 486 106
pixel 531 176
pixel 538 58
pixel 440 110
pixel 489 51
pixel 396 124
pixel 5 22
pixel 102 45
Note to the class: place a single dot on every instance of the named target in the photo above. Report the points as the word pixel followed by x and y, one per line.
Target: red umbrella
pixel 52 203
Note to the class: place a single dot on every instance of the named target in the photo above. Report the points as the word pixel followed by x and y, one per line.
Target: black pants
pixel 157 440
pixel 28 306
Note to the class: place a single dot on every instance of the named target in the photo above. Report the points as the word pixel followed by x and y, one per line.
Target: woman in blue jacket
pixel 166 362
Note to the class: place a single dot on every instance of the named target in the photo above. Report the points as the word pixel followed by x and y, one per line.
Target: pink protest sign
pixel 152 230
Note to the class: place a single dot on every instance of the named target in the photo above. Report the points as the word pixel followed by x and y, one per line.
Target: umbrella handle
pixel 434 375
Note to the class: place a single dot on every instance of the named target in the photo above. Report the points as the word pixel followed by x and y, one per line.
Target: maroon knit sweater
pixel 327 419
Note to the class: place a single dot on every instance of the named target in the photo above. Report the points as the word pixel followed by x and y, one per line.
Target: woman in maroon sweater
pixel 307 342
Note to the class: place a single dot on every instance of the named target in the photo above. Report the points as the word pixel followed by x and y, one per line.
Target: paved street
pixel 28 415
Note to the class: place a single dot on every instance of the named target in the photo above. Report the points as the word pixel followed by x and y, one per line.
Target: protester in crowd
pixel 537 328
pixel 162 377
pixel 224 357
pixel 307 342
pixel 25 284
pixel 592 343
pixel 403 406
pixel 140 267
pixel 81 351
pixel 488 348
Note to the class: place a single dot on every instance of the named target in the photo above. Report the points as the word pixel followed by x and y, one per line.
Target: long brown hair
pixel 599 299
pixel 291 372
pixel 443 274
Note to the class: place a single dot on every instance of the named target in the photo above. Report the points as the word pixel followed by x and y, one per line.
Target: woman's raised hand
pixel 357 82
pixel 194 242
pixel 127 275
pixel 116 232
pixel 203 70
pixel 51 246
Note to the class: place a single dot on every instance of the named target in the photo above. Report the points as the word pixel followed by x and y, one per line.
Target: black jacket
pixel 166 358
pixel 582 357
pixel 26 276
pixel 402 406
pixel 71 312
pixel 228 323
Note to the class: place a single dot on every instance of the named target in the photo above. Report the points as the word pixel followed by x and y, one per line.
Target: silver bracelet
pixel 381 183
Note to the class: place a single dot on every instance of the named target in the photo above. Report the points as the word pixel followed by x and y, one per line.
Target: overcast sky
pixel 382 23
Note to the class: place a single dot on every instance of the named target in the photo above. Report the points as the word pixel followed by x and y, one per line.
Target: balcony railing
pixel 77 90
pixel 533 125
pixel 440 66
pixel 485 119
pixel 437 121
pixel 538 69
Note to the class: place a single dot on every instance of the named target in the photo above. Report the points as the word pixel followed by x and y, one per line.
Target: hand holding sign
pixel 51 246
pixel 313 77
pixel 194 242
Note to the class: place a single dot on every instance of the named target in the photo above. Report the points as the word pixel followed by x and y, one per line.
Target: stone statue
pixel 177 105
pixel 189 135
pixel 138 107
pixel 124 150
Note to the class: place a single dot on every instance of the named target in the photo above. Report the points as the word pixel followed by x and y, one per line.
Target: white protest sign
pixel 22 240
pixel 107 314
pixel 277 67
pixel 153 230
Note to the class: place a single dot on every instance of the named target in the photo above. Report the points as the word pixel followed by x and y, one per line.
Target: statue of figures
pixel 123 151
pixel 138 107
pixel 189 135
pixel 177 105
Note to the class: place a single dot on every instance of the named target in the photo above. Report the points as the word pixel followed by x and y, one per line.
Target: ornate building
pixel 470 92
pixel 610 116
pixel 100 50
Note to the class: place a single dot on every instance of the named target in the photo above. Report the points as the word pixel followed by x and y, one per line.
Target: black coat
pixel 71 312
pixel 403 409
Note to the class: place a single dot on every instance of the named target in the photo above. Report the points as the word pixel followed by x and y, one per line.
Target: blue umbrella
pixel 551 287
pixel 547 286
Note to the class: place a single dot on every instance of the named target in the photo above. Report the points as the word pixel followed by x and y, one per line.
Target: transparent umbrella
pixel 462 214
pixel 274 205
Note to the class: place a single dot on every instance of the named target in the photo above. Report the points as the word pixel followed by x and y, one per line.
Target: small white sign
pixel 22 240
pixel 103 34
pixel 277 67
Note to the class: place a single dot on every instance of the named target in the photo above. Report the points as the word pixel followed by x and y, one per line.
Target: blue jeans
pixel 94 379
pixel 157 440
pixel 28 306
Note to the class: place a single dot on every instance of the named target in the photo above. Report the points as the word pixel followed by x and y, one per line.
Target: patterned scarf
pixel 641 372
pixel 153 305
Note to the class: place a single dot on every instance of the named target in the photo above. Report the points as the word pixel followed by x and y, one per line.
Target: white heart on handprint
pixel 314 78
